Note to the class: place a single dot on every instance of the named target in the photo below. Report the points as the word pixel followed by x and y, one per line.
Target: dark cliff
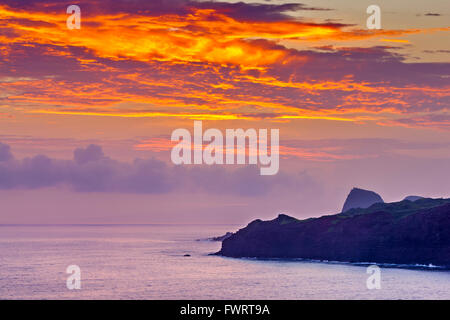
pixel 402 233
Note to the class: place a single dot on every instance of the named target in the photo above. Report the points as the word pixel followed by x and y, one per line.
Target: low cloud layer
pixel 92 171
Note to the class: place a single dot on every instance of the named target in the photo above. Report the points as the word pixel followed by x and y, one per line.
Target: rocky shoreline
pixel 399 233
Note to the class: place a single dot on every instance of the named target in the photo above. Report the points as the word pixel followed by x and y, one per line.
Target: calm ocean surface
pixel 147 262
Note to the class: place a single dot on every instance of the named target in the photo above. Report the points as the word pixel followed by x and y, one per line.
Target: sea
pixel 175 262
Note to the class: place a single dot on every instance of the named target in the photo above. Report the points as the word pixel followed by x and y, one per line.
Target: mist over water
pixel 148 262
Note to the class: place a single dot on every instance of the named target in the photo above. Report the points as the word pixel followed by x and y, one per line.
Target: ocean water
pixel 148 262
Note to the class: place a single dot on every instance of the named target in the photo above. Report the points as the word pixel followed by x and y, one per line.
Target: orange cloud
pixel 202 65
pixel 205 35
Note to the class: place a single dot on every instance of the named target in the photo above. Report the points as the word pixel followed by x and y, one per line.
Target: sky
pixel 86 115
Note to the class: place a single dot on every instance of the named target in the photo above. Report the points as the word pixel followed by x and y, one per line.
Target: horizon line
pixel 113 224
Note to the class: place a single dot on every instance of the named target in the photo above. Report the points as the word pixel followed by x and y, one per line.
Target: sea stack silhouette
pixel 360 198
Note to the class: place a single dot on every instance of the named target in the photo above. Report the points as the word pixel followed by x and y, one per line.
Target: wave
pixel 417 266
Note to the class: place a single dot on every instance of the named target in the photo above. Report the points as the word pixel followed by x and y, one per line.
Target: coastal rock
pixel 219 238
pixel 402 232
pixel 360 198
pixel 413 198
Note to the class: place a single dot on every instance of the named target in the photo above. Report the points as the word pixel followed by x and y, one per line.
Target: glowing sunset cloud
pixel 202 60
pixel 204 35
